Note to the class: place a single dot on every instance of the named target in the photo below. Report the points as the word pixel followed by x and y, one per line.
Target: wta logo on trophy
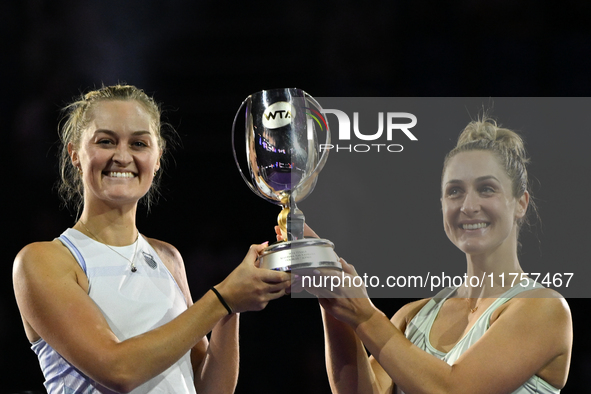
pixel 278 115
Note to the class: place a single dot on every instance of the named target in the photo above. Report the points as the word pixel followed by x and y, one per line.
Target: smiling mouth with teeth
pixel 474 226
pixel 120 174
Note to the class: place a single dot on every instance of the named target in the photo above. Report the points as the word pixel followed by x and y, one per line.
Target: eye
pixel 104 141
pixel 139 144
pixel 487 189
pixel 453 191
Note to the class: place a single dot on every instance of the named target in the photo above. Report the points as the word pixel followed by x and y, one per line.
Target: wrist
pixel 222 300
pixel 370 322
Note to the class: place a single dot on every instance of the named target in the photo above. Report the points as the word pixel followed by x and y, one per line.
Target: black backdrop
pixel 201 59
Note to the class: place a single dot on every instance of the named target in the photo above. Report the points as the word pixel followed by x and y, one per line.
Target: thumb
pixel 348 268
pixel 255 251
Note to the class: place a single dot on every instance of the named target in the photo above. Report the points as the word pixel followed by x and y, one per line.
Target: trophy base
pixel 308 253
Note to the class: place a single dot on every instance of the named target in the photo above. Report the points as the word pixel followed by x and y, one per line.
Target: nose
pixel 122 155
pixel 471 203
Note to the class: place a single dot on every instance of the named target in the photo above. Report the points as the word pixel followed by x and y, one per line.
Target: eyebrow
pixel 112 133
pixel 479 179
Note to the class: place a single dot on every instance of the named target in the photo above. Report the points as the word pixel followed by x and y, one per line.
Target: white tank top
pixel 419 328
pixel 132 303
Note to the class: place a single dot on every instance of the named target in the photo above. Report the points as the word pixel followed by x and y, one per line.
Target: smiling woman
pixel 494 337
pixel 118 154
pixel 80 113
pixel 107 309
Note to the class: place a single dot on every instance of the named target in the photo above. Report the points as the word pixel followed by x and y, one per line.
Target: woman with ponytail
pixel 495 338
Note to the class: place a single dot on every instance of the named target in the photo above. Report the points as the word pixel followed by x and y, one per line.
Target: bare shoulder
pixel 168 253
pixel 407 312
pixel 539 304
pixel 540 312
pixel 37 267
pixel 164 248
pixel 173 260
pixel 42 257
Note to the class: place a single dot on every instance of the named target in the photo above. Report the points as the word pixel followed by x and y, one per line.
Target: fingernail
pixel 296 276
pixel 316 272
pixel 265 243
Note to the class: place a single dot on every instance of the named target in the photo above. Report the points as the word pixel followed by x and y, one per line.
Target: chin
pixel 122 199
pixel 473 248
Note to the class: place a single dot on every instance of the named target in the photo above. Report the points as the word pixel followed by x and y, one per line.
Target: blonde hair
pixel 484 134
pixel 77 117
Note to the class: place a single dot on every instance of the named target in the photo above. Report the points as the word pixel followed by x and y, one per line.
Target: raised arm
pixel 349 369
pixel 51 292
pixel 215 362
pixel 348 366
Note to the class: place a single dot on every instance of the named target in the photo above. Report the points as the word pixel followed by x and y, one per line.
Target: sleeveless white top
pixel 132 303
pixel 419 328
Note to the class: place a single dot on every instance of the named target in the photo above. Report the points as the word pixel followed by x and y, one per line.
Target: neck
pixel 494 266
pixel 112 226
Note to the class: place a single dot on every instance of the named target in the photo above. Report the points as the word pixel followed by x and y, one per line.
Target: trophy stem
pixel 282 222
pixel 291 223
pixel 295 223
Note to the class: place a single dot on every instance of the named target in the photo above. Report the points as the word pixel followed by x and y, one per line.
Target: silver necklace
pixel 133 268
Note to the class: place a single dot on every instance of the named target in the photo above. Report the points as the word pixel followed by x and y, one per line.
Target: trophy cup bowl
pixel 282 155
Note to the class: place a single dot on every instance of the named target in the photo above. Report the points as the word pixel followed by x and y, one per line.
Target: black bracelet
pixel 224 303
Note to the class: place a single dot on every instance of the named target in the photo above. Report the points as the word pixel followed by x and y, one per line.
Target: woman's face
pixel 479 211
pixel 118 152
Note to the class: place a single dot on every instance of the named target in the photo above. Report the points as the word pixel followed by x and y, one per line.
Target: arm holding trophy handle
pixel 348 366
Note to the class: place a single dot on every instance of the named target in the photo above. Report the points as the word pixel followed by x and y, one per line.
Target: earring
pixel 79 171
pixel 155 172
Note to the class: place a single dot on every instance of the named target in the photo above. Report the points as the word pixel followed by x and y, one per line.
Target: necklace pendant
pixel 133 269
pixel 472 310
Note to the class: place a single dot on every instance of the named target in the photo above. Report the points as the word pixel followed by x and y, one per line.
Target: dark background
pixel 201 59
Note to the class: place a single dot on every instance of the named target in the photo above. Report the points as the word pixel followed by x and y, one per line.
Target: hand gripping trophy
pixel 283 165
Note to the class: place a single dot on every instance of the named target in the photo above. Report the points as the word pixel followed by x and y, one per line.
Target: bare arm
pixel 57 308
pixel 349 368
pixel 215 362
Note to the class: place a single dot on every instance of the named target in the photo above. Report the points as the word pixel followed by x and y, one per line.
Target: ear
pixel 73 155
pixel 158 161
pixel 522 204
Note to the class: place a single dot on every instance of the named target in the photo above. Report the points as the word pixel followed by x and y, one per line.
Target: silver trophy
pixel 282 155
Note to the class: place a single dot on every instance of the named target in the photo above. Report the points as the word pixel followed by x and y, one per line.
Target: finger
pixel 320 292
pixel 274 288
pixel 260 247
pixel 296 284
pixel 278 294
pixel 270 276
pixel 308 232
pixel 255 250
pixel 278 233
